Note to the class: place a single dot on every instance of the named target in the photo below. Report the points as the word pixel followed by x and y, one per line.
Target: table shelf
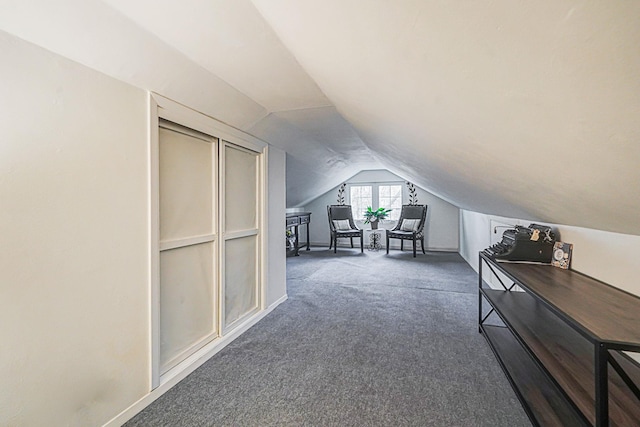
pixel 564 334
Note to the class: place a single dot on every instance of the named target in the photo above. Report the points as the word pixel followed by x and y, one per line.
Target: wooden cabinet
pixel 560 341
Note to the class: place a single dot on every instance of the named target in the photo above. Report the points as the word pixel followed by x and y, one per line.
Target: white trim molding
pixel 178 113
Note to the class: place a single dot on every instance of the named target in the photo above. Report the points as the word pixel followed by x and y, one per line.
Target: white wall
pixel 610 257
pixel 94 34
pixel 277 264
pixel 442 221
pixel 74 285
pixel 74 252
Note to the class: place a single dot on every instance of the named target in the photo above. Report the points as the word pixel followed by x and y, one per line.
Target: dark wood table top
pixel 294 214
pixel 601 311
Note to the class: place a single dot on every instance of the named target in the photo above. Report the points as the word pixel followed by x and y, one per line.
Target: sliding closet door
pixel 188 291
pixel 241 220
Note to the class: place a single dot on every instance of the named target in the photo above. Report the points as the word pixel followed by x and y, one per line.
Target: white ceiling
pixel 232 41
pixel 322 148
pixel 517 109
pixel 523 109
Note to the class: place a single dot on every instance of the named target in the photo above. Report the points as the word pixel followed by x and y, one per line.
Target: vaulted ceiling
pixel 522 109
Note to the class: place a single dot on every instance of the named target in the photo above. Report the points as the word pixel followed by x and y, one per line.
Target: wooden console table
pixel 561 343
pixel 294 221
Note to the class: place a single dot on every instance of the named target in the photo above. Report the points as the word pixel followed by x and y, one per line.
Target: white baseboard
pixel 192 363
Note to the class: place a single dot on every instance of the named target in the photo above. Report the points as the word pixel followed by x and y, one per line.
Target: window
pixel 388 196
pixel 361 197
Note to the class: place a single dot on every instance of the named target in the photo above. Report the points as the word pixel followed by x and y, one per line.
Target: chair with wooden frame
pixel 410 226
pixel 341 225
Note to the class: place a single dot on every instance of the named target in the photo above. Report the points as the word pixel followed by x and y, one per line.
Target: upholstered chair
pixel 341 225
pixel 410 226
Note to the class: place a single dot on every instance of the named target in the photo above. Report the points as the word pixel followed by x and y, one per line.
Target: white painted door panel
pixel 186 301
pixel 241 192
pixel 187 223
pixel 240 293
pixel 186 185
pixel 241 235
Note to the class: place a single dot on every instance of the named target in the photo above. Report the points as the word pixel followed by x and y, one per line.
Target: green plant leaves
pixel 375 215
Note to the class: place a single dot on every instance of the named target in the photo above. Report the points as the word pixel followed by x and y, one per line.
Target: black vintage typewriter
pixel 531 244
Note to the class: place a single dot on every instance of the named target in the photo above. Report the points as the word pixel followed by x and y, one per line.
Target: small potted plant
pixel 373 216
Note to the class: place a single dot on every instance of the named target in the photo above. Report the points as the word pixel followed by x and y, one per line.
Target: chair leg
pixel 335 245
pixel 387 244
pixel 422 245
pixel 401 244
pixel 330 241
pixel 414 247
pixel 351 241
pixel 362 243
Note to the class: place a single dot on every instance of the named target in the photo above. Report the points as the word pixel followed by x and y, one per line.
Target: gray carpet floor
pixel 363 340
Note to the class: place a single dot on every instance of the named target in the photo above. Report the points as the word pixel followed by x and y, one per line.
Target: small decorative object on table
pixel 291 239
pixel 562 255
pixel 374 241
pixel 372 217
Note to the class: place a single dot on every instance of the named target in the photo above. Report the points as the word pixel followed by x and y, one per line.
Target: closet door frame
pixel 161 107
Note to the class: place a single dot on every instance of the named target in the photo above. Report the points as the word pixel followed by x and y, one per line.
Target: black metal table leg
pixel 602 384
pixel 479 294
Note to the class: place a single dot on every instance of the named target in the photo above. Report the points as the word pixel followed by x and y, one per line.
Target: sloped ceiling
pixel 234 42
pixel 523 109
pixel 322 148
